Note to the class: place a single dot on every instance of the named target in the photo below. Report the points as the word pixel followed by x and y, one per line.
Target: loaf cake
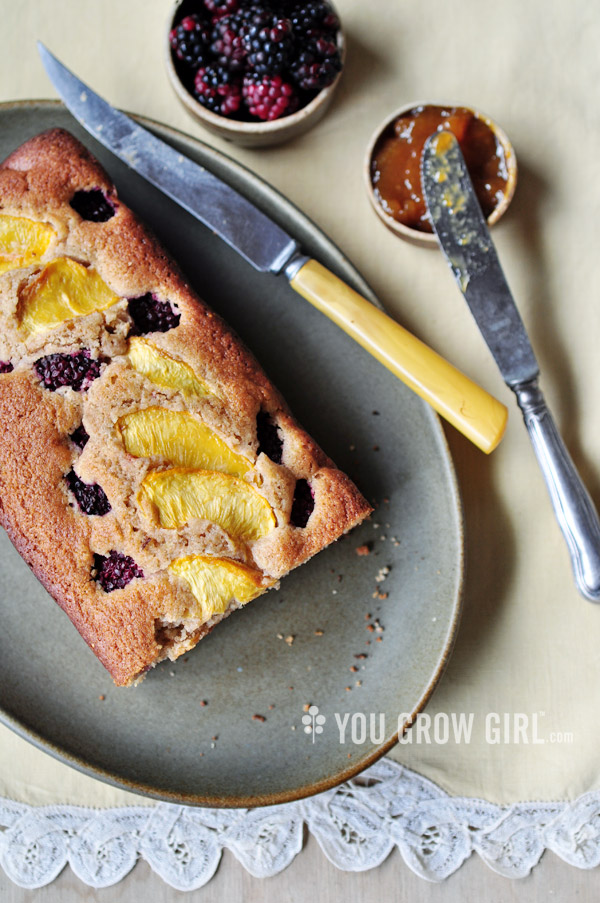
pixel 150 474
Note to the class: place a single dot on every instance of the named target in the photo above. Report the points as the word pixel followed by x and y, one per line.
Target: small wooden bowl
pixel 252 134
pixel 429 239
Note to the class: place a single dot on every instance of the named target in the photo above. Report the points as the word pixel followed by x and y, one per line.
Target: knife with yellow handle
pixel 269 249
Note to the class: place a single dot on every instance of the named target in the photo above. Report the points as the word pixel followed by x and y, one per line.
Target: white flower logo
pixel 313 722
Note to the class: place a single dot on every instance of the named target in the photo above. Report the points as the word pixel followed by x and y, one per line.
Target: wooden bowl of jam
pixel 393 165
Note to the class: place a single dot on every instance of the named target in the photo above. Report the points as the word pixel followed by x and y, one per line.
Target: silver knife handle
pixel 574 509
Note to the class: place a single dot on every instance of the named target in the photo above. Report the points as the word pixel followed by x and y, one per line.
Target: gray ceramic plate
pixel 158 738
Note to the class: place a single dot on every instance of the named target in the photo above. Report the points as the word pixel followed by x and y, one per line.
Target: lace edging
pixel 356 824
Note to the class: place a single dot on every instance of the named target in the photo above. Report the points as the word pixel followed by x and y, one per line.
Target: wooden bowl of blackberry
pixel 256 72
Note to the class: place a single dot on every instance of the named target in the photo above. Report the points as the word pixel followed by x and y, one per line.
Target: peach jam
pixel 396 161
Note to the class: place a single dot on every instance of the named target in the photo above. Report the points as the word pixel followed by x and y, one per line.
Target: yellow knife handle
pixel 464 404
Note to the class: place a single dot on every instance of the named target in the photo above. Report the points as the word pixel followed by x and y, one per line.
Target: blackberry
pixel 218 89
pixel 76 370
pixel 270 442
pixel 268 97
pixel 227 42
pixel 79 437
pixel 317 64
pixel 115 570
pixel 93 205
pixel 151 315
pixel 269 40
pixel 90 496
pixel 303 504
pixel 310 19
pixel 190 41
pixel 220 8
pixel 6 367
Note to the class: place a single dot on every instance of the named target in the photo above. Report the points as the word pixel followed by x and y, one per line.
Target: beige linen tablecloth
pixel 528 643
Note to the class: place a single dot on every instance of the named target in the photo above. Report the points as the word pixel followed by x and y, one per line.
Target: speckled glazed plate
pixel 305 644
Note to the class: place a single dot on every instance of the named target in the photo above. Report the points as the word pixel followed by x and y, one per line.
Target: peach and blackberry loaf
pixel 150 474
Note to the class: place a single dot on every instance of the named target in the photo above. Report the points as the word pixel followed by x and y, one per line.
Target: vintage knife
pixel 465 240
pixel 269 249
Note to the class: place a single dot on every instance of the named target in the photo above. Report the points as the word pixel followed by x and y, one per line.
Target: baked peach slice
pixel 164 370
pixel 216 582
pixel 22 241
pixel 176 497
pixel 64 290
pixel 180 439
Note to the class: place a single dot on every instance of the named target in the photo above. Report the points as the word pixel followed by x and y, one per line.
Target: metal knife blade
pixel 269 248
pixel 465 240
pixel 238 222
pixel 464 237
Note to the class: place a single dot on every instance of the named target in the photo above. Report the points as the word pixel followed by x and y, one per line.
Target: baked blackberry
pixel 218 89
pixel 151 315
pixel 190 41
pixel 93 205
pixel 303 504
pixel 227 42
pixel 115 570
pixel 6 367
pixel 268 97
pixel 269 438
pixel 269 40
pixel 317 64
pixel 79 437
pixel 90 497
pixel 76 370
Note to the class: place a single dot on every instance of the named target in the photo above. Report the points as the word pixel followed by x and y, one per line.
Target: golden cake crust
pixel 132 628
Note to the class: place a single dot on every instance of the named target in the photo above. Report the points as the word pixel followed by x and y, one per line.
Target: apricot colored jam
pixel 396 161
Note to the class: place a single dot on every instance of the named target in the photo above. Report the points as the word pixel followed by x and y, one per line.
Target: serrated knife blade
pixel 269 248
pixel 465 240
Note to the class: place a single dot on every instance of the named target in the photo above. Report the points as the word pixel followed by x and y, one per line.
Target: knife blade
pixel 465 240
pixel 268 248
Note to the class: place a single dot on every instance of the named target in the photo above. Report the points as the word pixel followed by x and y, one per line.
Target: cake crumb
pixel 306 707
pixel 279 636
pixel 203 702
pixel 271 706
pixel 378 639
pixel 368 616
pixel 347 689
pixel 260 718
pixel 102 697
pixel 370 628
pixel 365 549
pixel 319 632
pixel 290 639
pixel 358 683
pixel 361 655
pixel 382 574
pixel 290 688
pixel 353 668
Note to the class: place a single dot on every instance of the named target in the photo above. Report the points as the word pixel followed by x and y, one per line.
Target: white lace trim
pixel 357 825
